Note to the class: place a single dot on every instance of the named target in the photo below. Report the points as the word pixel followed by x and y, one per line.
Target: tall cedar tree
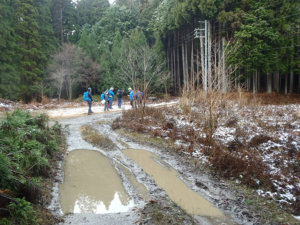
pixel 29 45
pixel 9 76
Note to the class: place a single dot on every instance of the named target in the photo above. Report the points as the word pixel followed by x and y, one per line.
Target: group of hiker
pixel 108 96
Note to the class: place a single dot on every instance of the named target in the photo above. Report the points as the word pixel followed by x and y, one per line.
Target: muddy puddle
pixel 139 187
pixel 168 178
pixel 92 185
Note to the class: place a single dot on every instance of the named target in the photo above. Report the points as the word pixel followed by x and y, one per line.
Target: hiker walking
pixel 131 96
pixel 105 97
pixel 111 95
pixel 139 96
pixel 120 95
pixel 87 96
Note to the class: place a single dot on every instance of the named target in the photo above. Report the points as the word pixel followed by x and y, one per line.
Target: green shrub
pixel 27 143
pixel 22 212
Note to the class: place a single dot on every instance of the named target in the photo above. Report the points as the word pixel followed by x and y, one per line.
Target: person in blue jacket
pixel 139 97
pixel 131 96
pixel 105 97
pixel 120 95
pixel 87 96
pixel 111 97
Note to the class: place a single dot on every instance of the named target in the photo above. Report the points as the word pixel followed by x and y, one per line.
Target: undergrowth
pixel 164 211
pixel 92 136
pixel 27 147
pixel 200 124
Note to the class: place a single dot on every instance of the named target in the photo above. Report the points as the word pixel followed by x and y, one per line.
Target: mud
pixel 169 179
pixel 92 185
pixel 133 175
pixel 140 187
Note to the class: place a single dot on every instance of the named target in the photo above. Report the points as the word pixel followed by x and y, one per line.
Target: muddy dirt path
pixel 140 180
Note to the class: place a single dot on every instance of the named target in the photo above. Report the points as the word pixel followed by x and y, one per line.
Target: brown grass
pixel 92 136
pixel 242 158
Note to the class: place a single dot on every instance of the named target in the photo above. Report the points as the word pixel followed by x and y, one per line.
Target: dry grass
pixel 92 136
pixel 164 211
pixel 257 123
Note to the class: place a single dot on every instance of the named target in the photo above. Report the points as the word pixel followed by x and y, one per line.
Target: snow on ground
pixel 70 109
pixel 271 132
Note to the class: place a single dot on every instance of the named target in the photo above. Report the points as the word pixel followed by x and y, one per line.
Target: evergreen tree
pixel 83 40
pixel 9 76
pixel 46 33
pixel 97 10
pixel 70 22
pixel 29 45
pixel 57 18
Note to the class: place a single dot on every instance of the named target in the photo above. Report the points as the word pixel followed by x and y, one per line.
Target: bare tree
pixel 41 86
pixel 69 64
pixel 150 69
pixel 127 62
pixel 62 71
pixel 88 71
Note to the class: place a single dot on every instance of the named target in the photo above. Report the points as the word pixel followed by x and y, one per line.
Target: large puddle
pixel 168 178
pixel 92 185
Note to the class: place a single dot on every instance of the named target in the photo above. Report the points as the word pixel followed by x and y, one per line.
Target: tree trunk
pixel 197 68
pixel 254 82
pixel 235 78
pixel 219 59
pixel 276 81
pixel 269 82
pixel 209 75
pixel 286 83
pixel 205 63
pixel 248 83
pixel 178 65
pixel 202 60
pixel 299 83
pixel 258 80
pixel 192 64
pixel 215 65
pixel 186 67
pixel 183 65
pixel 291 74
pixel 223 66
pixel 174 69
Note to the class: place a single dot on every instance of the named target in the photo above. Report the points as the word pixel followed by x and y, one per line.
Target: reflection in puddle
pixel 169 180
pixel 92 185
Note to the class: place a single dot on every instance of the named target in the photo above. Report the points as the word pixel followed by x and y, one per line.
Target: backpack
pixel 119 94
pixel 139 95
pixel 102 96
pixel 86 96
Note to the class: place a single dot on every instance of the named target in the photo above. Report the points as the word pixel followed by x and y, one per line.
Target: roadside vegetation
pixel 251 140
pixel 29 149
pixel 164 211
pixel 94 137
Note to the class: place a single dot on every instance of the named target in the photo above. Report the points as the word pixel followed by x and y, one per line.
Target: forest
pixel 58 48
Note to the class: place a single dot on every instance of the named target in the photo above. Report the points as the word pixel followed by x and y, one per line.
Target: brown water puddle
pixel 140 188
pixel 92 185
pixel 168 178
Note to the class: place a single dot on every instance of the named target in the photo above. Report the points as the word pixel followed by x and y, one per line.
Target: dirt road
pixel 213 192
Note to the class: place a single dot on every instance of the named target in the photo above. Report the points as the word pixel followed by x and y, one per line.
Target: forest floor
pixel 254 146
pixel 66 109
pixel 270 132
pixel 145 211
pixel 254 178
pixel 48 104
